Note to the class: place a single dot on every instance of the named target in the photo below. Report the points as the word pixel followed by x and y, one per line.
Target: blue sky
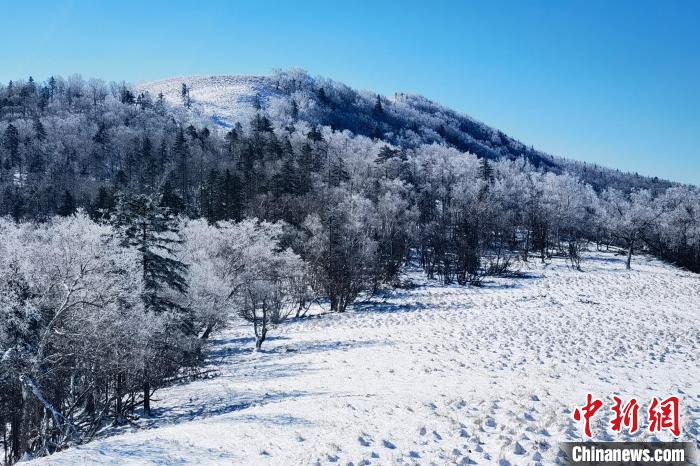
pixel 611 82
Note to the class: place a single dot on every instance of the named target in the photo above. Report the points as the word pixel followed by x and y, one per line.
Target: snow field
pixel 434 374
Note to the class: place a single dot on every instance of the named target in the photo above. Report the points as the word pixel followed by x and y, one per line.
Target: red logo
pixel 627 415
pixel 662 414
pixel 592 406
pixel 665 415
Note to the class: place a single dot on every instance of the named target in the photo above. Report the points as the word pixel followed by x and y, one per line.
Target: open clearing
pixel 433 374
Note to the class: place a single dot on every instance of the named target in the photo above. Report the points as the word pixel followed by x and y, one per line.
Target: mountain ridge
pixel 405 120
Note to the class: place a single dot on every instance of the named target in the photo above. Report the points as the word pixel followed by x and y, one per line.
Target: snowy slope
pixel 226 99
pixel 435 374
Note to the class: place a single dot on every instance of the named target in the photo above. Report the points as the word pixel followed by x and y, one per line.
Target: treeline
pixel 133 230
pixel 95 316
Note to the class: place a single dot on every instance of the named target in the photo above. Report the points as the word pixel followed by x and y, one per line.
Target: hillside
pixel 404 120
pixel 135 228
pixel 432 374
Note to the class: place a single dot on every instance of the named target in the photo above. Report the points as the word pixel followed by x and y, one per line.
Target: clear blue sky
pixel 612 82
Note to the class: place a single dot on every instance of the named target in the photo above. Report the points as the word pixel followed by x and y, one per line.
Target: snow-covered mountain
pixel 403 120
pixel 225 99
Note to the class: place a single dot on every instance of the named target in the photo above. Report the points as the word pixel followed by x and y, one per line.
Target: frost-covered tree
pixel 72 323
pixel 152 230
pixel 341 249
pixel 260 276
pixel 629 218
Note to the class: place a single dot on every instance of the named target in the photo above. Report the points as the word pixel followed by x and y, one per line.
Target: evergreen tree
pixel 230 197
pixel 486 171
pixel 295 110
pixel 170 199
pixel 149 162
pixel 152 230
pixel 288 177
pixel 386 153
pixel 36 163
pixel 159 105
pixel 378 109
pixel 67 206
pixel 185 95
pixel 126 96
pixel 337 172
pixel 105 202
pixel 181 156
pixel 52 86
pixel 305 168
pixel 39 129
pixel 208 197
pixel 121 180
pixel 314 135
pixel 11 145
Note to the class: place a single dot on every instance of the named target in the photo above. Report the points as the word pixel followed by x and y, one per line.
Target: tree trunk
pixel 118 400
pixel 629 255
pixel 259 339
pixel 146 399
pixel 207 332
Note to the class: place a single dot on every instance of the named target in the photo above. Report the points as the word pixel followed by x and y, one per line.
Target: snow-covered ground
pixel 436 374
pixel 224 99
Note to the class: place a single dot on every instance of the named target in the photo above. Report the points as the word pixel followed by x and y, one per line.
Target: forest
pixel 131 229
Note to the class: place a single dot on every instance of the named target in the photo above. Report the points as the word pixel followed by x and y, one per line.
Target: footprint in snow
pixel 364 442
pixel 388 444
pixel 518 449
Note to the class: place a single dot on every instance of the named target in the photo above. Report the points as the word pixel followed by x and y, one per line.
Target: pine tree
pixel 170 199
pixel 126 96
pixel 52 87
pixel 181 157
pixel 386 153
pixel 288 177
pixel 230 197
pixel 67 206
pixel 148 162
pixel 11 144
pixel 208 197
pixel 295 110
pixel 486 171
pixel 159 105
pixel 337 172
pixel 39 129
pixel 322 97
pixel 105 202
pixel 150 228
pixel 314 135
pixel 378 109
pixel 185 95
pixel 36 163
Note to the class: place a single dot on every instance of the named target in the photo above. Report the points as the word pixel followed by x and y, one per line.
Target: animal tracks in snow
pixel 440 374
